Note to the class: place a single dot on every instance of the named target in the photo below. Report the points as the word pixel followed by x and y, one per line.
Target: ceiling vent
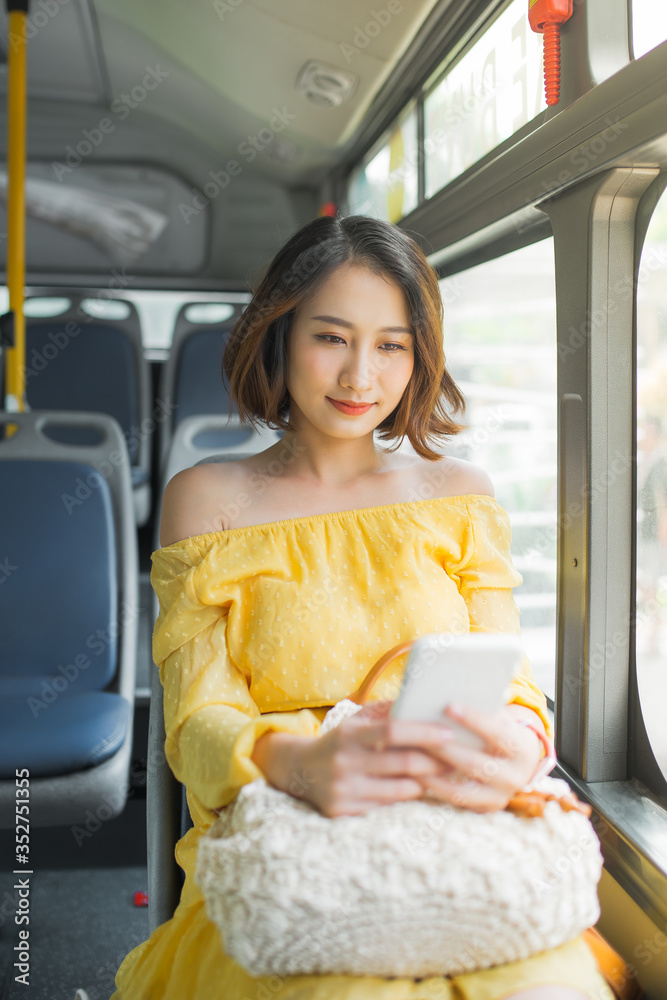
pixel 325 85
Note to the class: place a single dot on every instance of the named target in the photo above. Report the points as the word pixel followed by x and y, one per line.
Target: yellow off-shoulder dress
pixel 265 627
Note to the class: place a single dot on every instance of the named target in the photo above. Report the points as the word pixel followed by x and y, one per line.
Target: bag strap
pixel 360 696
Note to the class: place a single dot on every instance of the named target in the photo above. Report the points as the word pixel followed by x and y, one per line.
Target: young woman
pixel 283 577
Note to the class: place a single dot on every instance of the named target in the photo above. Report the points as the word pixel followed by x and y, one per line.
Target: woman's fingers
pixel 382 733
pixel 412 763
pixel 464 794
pixel 485 769
pixel 375 710
pixel 390 760
pixel 367 793
pixel 493 728
pixel 475 765
pixel 378 730
pixel 386 790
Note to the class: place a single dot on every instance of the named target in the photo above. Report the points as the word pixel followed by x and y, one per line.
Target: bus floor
pixel 83 920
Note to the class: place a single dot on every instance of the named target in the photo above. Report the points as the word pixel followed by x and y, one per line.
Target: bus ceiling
pixel 186 141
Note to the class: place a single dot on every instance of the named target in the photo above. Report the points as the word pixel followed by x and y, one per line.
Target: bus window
pixel 649 26
pixel 493 91
pixel 500 345
pixel 385 185
pixel 651 616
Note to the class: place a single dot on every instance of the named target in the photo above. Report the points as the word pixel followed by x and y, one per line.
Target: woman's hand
pixel 485 780
pixel 372 759
pixel 366 761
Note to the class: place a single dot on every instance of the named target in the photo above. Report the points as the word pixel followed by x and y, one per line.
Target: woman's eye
pixel 329 337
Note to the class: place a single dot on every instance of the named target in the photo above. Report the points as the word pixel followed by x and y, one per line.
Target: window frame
pixel 642 764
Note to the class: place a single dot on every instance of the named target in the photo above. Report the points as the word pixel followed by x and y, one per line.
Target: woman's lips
pixel 353 410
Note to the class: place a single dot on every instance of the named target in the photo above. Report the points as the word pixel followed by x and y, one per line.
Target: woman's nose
pixel 358 372
pixel 352 380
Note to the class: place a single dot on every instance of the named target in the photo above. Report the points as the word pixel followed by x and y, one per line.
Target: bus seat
pixel 198 441
pixel 200 438
pixel 76 361
pixel 167 814
pixel 191 381
pixel 68 617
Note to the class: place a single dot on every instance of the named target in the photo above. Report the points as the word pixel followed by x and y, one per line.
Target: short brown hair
pixel 255 356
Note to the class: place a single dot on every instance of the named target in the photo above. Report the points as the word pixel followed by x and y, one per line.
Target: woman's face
pixel 351 340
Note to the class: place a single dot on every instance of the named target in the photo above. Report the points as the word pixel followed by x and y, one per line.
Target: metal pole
pixel 15 401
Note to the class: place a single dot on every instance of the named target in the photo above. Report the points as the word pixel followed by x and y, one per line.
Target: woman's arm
pixel 527 717
pixel 211 719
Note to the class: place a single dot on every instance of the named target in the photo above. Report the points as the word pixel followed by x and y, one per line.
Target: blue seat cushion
pixel 59 614
pixel 70 733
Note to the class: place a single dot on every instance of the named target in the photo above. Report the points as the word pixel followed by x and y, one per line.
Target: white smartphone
pixel 472 670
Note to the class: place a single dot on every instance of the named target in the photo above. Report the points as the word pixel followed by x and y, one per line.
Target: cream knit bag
pixel 412 889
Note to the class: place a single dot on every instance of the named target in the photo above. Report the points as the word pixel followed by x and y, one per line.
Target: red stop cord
pixel 546 17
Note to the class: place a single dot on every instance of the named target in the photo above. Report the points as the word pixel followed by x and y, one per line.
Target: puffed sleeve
pixel 211 721
pixel 485 577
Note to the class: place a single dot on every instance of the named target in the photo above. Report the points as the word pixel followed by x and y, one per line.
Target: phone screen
pixel 473 670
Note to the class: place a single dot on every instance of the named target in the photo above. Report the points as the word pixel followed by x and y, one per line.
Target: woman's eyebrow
pixel 346 323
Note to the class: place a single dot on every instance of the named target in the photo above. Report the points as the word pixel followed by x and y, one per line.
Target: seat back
pixel 198 438
pixel 57 528
pixel 191 382
pixel 69 612
pixel 77 362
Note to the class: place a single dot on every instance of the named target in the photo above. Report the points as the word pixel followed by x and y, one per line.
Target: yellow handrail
pixel 15 400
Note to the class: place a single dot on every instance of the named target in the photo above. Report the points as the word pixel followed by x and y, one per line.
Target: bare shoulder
pixel 193 501
pixel 461 478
